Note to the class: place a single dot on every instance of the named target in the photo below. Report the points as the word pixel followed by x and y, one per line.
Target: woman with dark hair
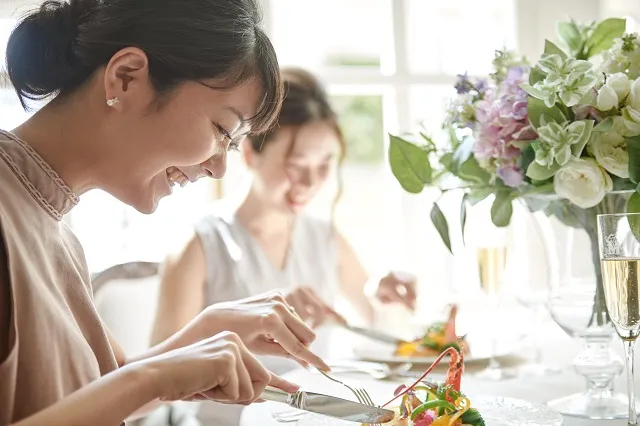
pixel 268 242
pixel 142 93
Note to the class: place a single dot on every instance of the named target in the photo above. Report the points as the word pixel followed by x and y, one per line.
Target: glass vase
pixel 576 300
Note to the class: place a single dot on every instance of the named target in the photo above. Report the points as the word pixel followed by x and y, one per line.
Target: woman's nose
pixel 216 166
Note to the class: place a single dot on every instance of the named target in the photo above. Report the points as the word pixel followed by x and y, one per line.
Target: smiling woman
pixel 137 90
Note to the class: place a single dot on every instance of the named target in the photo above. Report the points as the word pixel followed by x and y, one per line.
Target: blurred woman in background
pixel 268 242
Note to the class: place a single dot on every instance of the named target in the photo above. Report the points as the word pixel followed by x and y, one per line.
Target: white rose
pixel 620 83
pixel 631 119
pixel 607 98
pixel 610 150
pixel 634 95
pixel 582 182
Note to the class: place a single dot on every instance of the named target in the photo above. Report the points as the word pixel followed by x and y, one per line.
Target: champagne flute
pixel 492 262
pixel 620 257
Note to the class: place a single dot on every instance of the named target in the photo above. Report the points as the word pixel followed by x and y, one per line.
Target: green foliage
pixel 604 34
pixel 440 222
pixel 409 164
pixel 502 209
pixel 633 147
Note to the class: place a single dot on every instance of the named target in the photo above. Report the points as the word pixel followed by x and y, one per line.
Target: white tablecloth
pixel 559 350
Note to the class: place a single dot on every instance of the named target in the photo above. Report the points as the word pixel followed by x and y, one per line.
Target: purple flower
pixel 463 85
pixel 516 73
pixel 510 174
pixel 482 86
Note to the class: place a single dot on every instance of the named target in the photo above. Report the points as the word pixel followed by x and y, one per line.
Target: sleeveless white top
pixel 237 267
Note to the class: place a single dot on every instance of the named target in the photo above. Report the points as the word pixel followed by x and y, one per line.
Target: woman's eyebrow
pixel 238 114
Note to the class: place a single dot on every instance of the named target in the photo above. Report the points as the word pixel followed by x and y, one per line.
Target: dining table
pixel 557 349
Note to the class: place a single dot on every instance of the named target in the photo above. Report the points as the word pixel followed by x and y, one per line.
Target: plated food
pixel 438 337
pixel 427 403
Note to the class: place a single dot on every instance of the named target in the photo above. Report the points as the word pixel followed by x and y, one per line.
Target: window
pixel 458 35
pixel 331 33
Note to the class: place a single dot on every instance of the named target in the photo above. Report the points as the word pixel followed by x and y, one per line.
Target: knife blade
pixel 330 406
pixel 373 334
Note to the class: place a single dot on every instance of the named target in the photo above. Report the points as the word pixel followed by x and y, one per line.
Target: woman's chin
pixel 295 207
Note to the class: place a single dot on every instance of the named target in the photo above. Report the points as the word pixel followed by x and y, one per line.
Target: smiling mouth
pixel 175 175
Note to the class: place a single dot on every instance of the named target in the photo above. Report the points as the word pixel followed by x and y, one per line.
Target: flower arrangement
pixel 562 134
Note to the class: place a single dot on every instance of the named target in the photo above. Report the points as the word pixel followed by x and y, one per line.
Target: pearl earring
pixel 111 102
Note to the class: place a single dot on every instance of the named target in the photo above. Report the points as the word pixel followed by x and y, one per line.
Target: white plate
pixel 495 410
pixel 479 351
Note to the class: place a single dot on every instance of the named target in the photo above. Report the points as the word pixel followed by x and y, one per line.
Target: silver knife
pixel 373 334
pixel 330 406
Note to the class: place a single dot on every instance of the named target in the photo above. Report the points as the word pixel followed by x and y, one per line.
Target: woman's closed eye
pixel 232 143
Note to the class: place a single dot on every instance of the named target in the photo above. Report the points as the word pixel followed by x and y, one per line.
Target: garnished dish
pixel 427 403
pixel 438 337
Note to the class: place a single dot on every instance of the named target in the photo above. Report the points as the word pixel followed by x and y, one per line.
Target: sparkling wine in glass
pixel 492 262
pixel 620 257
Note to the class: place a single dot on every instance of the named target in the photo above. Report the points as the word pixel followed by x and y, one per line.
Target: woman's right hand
pixel 310 307
pixel 219 368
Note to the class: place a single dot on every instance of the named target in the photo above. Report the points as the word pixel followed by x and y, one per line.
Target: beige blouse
pixel 52 341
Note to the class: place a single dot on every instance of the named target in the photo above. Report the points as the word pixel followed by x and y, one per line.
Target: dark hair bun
pixel 40 51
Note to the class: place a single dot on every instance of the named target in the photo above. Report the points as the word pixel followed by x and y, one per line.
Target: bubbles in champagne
pixel 621 281
pixel 491 265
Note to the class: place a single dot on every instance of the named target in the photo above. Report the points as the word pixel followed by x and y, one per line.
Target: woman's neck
pixel 260 219
pixel 66 135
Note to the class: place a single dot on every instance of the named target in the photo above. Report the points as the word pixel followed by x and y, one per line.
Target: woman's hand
pixel 220 369
pixel 397 287
pixel 267 325
pixel 309 306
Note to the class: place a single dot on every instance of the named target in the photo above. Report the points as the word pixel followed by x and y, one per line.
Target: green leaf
pixel 537 172
pixel 571 215
pixel 471 171
pixel 446 160
pixel 551 48
pixel 463 214
pixel 440 222
pixel 604 35
pixel 604 126
pixel 633 206
pixel 502 209
pixel 536 75
pixel 472 417
pixel 409 164
pixel 453 137
pixel 622 184
pixel 533 91
pixel 633 148
pixel 478 194
pixel 430 144
pixel 570 34
pixel 528 156
pixel 545 189
pixel 576 148
pixel 537 109
pixel 462 153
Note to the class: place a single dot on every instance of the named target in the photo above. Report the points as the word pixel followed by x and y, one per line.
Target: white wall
pixel 14 8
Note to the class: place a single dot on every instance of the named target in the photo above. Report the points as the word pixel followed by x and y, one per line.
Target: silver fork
pixel 361 394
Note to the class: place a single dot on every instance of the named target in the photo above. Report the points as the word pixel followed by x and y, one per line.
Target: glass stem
pixel 493 361
pixel 628 350
pixel 536 335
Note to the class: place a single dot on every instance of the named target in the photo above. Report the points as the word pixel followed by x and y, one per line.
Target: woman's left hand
pixel 397 287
